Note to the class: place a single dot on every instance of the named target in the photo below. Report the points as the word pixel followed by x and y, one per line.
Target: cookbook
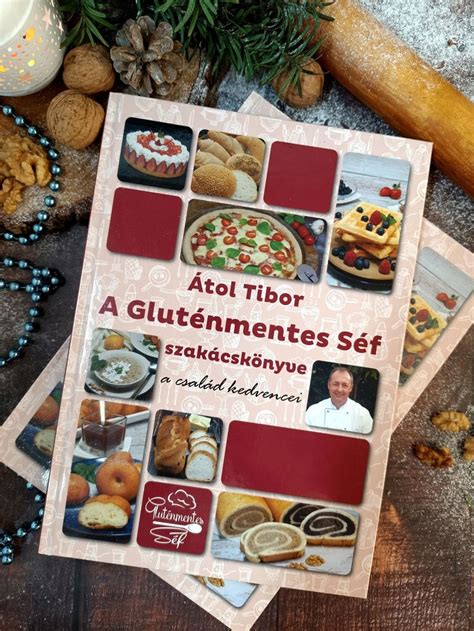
pixel 250 317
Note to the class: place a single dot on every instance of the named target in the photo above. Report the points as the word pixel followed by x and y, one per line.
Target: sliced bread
pixel 201 467
pixel 205 446
pixel 246 189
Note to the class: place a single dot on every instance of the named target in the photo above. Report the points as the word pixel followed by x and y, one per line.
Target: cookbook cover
pixel 227 295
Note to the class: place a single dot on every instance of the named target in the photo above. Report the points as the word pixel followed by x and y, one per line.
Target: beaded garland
pixel 49 201
pixel 10 541
pixel 44 281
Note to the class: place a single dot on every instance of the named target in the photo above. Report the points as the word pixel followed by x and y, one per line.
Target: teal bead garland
pixel 44 281
pixel 38 228
pixel 10 541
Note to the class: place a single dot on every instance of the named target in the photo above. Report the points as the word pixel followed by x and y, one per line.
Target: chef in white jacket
pixel 339 411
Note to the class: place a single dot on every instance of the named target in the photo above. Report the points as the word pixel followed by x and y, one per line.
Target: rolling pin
pixel 383 73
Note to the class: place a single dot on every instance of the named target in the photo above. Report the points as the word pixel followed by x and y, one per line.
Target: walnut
pixel 74 119
pixel 297 566
pixel 217 582
pixel 10 195
pixel 315 560
pixel 311 82
pixel 88 69
pixel 201 579
pixel 434 456
pixel 468 449
pixel 451 421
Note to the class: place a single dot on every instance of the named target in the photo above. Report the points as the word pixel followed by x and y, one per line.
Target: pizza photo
pixel 243 240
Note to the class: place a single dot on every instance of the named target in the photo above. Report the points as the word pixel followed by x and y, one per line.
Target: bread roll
pixel 237 512
pixel 213 179
pixel 44 441
pixel 254 146
pixel 230 144
pixel 205 144
pixel 330 527
pixel 204 157
pixel 291 512
pixel 47 413
pixel 246 163
pixel 268 543
pixel 104 511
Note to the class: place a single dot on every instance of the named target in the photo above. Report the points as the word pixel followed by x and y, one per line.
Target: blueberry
pixel 342 253
pixel 359 263
pixel 393 264
pixel 366 263
pixel 369 227
pixel 360 209
pixel 381 231
pixel 364 218
pixel 335 251
pixel 412 301
pixel 428 325
pixel 413 320
pixel 385 224
pixel 338 215
pixel 412 310
pixel 420 328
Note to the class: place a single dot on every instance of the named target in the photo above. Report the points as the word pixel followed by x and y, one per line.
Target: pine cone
pixel 147 58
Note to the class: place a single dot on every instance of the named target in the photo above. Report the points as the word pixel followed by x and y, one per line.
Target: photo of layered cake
pixel 154 153
pixel 159 156
pixel 287 533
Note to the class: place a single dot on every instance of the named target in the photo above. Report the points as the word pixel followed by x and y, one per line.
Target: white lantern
pixel 31 32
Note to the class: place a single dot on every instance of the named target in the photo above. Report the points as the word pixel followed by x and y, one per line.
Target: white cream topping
pixel 140 150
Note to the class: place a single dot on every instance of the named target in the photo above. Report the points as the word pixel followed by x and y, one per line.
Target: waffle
pixel 352 224
pixel 426 333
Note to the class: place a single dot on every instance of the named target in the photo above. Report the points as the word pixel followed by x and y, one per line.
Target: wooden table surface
pixel 422 567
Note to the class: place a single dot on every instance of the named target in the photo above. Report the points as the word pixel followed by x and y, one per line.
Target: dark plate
pixel 73 528
pixel 25 443
pixel 359 283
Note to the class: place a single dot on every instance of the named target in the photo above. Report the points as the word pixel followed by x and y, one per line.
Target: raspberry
pixel 385 267
pixel 350 258
pixel 376 217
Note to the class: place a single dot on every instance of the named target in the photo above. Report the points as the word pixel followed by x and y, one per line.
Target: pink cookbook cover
pixel 227 295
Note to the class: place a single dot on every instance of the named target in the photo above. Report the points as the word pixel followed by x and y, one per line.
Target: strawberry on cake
pixel 160 156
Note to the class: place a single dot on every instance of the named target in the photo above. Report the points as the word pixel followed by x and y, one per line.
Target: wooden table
pixel 421 572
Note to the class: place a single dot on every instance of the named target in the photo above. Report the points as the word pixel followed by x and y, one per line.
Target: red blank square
pixel 295 462
pixel 144 224
pixel 300 177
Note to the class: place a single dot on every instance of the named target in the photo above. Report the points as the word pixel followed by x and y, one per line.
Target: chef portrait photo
pixel 342 397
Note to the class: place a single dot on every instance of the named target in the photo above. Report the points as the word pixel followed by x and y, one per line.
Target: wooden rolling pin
pixel 403 89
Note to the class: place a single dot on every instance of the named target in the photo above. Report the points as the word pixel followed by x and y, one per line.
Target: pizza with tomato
pixel 243 240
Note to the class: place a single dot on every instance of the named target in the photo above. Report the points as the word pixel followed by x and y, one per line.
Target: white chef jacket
pixel 350 417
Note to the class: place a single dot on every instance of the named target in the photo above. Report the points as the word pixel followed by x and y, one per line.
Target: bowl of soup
pixel 121 370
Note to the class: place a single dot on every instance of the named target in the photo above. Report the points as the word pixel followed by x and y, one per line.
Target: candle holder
pixel 31 32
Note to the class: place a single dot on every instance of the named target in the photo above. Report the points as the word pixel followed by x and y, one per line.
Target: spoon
pixel 151 371
pixel 195 529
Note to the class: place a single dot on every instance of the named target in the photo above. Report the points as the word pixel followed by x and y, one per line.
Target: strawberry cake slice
pixel 160 156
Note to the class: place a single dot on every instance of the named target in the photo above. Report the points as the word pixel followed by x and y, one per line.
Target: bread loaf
pixel 171 444
pixel 206 144
pixel 246 189
pixel 230 144
pixel 330 527
pixel 291 512
pixel 213 179
pixel 237 512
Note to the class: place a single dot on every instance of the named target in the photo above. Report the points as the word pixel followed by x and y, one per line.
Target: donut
pixel 120 456
pixel 117 477
pixel 78 490
pixel 47 413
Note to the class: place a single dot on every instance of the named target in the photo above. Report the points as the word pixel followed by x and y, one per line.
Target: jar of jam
pixel 102 439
